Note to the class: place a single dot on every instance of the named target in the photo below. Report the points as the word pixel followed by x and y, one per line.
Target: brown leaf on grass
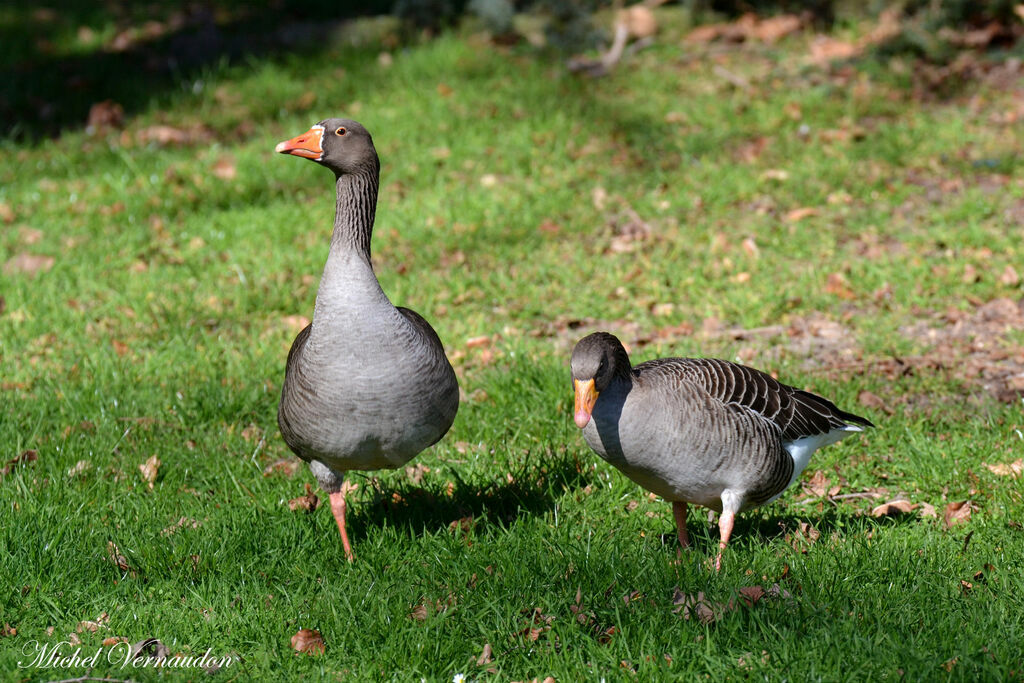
pixel 7 214
pixel 224 168
pixel 1009 277
pixel 286 466
pixel 307 502
pixel 119 560
pixel 252 432
pixel 308 641
pixel 8 630
pixel 486 657
pixel 956 513
pixel 477 342
pixel 817 486
pixel 462 525
pixel 693 606
pixel 295 323
pixel 416 472
pixel 872 400
pixel 427 606
pixel 1008 469
pixel 927 510
pixel 797 215
pixel 91 626
pixel 25 457
pixel 894 508
pixel 149 470
pixel 749 247
pixel 113 640
pixel 772 29
pixel 79 467
pixel 182 523
pixel 827 49
pixel 30 264
pixel 837 285
pixel 104 116
pixel 538 623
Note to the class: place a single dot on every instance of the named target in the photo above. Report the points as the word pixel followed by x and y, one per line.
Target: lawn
pixel 851 227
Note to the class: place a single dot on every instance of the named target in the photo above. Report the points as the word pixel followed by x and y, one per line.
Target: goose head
pixel 597 359
pixel 342 145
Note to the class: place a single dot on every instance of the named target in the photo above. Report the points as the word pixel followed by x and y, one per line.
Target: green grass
pixel 162 328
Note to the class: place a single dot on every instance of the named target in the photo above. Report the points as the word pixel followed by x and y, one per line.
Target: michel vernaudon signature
pixel 60 656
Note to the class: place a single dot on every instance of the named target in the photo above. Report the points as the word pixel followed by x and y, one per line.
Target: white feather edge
pixel 801 450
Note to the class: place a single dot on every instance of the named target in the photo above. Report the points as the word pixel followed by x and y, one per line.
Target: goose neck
pixel 355 211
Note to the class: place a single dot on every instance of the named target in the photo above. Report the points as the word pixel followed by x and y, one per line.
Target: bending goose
pixel 367 385
pixel 700 430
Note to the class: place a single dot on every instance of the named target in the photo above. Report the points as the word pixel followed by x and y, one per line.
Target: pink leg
pixel 338 509
pixel 679 512
pixel 725 530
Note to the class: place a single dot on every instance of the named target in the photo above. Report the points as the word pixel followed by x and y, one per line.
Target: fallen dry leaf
pixel 801 213
pixel 252 432
pixel 307 502
pixel 80 467
pixel 224 168
pixel 29 264
pixel 486 657
pixel 308 641
pixel 115 556
pixel 25 457
pixel 182 523
pixel 817 486
pixel 1008 469
pixel 149 470
pixel 837 285
pixel 956 513
pixel 416 472
pixel 8 630
pixel 286 466
pixel 872 400
pixel 894 508
pixel 1009 277
pixel 104 115
pixel 114 640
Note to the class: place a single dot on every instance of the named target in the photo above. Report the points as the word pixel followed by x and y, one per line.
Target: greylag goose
pixel 367 385
pixel 700 430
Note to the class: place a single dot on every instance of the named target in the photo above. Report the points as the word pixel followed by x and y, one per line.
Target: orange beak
pixel 309 145
pixel 586 397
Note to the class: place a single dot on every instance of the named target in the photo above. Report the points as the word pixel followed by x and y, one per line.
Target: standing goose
pixel 700 430
pixel 367 385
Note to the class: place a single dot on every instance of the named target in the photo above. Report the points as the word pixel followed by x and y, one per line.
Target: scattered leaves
pixel 416 472
pixel 308 641
pixel 118 559
pixel 894 508
pixel 25 458
pixel 956 513
pixel 149 470
pixel 30 264
pixel 307 502
pixel 1008 469
pixel 286 466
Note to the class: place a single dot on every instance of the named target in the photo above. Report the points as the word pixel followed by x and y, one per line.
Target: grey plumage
pixel 367 385
pixel 700 430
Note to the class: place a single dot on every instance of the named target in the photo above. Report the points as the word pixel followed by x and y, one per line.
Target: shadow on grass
pixel 783 526
pixel 530 490
pixel 154 49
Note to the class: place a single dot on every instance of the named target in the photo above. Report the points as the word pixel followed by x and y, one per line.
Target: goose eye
pixel 340 131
